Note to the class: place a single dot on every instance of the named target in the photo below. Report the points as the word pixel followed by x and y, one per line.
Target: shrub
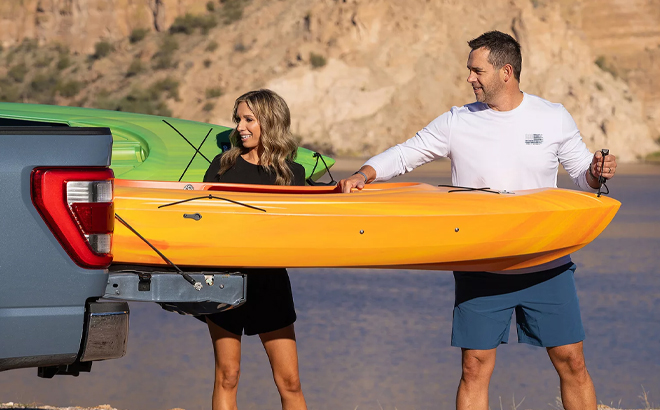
pixel 211 46
pixel 43 83
pixel 210 6
pixel 207 63
pixel 64 62
pixel 168 85
pixel 164 58
pixel 102 49
pixel 169 44
pixel 141 101
pixel 42 88
pixel 137 35
pixel 42 61
pixel 184 24
pixel 28 45
pixel 206 23
pixel 18 72
pixel 601 62
pixel 137 100
pixel 213 92
pixel 189 22
pixel 61 48
pixel 317 60
pixel 209 106
pixel 79 103
pixel 9 92
pixel 10 56
pixel 232 11
pixel 135 68
pixel 69 89
pixel 103 100
pixel 653 157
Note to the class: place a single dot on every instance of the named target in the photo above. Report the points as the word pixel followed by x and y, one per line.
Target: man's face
pixel 485 80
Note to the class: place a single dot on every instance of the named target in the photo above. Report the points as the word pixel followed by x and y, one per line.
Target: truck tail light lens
pixel 77 205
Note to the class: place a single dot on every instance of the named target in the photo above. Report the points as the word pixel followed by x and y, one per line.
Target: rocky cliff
pixel 624 35
pixel 361 75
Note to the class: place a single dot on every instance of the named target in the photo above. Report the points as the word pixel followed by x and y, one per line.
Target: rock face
pixel 81 23
pixel 625 36
pixel 361 75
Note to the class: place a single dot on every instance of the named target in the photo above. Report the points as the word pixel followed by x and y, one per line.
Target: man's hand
pixel 599 168
pixel 357 180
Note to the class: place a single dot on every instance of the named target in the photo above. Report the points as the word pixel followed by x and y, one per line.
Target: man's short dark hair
pixel 503 48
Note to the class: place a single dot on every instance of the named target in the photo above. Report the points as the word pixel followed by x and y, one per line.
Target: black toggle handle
pixel 601 178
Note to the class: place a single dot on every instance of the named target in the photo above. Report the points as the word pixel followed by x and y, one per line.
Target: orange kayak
pixel 390 225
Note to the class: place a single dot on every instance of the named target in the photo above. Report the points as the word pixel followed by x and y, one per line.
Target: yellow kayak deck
pixel 390 225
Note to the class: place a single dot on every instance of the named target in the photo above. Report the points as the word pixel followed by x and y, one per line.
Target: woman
pixel 263 153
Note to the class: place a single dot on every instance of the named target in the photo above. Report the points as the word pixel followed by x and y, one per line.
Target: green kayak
pixel 148 147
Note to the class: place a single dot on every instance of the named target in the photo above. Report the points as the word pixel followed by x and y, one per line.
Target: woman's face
pixel 248 127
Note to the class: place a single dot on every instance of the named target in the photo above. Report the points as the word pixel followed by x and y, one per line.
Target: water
pixel 373 339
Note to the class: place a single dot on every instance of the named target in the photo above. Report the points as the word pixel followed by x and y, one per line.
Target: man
pixel 507 140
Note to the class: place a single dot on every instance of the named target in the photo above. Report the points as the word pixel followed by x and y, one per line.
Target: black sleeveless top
pixel 245 173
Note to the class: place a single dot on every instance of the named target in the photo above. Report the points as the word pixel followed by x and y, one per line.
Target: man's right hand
pixel 357 180
pixel 354 181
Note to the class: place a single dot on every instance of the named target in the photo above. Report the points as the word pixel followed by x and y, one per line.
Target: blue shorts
pixel 546 305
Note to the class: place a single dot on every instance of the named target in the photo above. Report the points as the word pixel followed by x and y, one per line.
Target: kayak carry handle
pixel 601 178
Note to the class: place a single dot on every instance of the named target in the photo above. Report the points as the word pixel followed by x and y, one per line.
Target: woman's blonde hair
pixel 276 140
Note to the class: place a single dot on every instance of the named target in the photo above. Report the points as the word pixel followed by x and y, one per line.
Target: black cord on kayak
pixel 468 189
pixel 327 169
pixel 601 178
pixel 209 196
pixel 190 143
pixel 195 154
pixel 187 277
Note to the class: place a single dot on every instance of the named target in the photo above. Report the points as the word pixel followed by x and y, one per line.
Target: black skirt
pixel 268 306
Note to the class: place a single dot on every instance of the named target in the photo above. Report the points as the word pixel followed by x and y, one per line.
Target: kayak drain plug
pixel 456 230
pixel 361 231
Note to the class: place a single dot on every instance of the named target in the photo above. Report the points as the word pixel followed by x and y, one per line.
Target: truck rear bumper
pixel 142 284
pixel 72 346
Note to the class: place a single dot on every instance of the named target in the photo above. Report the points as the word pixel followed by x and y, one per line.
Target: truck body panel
pixel 43 293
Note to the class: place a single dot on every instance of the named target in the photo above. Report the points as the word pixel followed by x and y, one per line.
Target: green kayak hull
pixel 148 147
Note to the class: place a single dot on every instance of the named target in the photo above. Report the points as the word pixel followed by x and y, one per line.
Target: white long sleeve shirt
pixel 503 150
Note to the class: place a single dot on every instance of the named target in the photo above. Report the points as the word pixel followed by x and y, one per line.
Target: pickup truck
pixel 63 305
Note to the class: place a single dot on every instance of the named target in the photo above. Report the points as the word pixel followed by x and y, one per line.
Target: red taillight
pixel 95 218
pixel 76 204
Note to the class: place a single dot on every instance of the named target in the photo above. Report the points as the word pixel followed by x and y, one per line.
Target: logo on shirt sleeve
pixel 533 139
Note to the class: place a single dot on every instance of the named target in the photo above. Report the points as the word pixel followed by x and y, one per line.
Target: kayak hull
pixel 395 225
